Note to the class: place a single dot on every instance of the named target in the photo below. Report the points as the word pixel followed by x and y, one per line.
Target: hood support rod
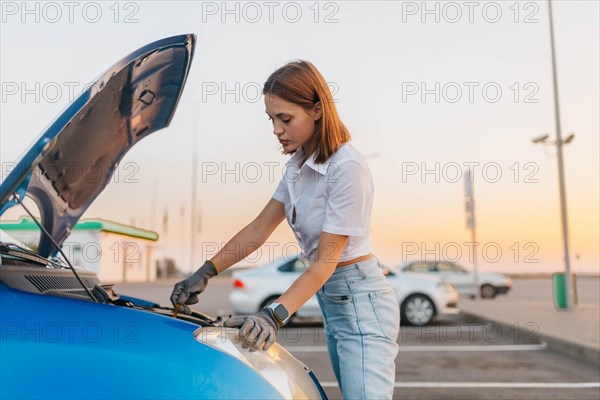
pixel 16 198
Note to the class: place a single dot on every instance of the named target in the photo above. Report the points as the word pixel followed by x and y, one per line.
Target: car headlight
pixel 508 282
pixel 282 370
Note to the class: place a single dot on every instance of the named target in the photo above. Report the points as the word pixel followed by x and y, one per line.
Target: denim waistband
pixel 361 268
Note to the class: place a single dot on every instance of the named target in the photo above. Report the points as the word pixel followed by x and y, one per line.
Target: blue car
pixel 65 334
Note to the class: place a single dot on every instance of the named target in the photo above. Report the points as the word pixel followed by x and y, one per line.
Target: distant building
pixel 115 252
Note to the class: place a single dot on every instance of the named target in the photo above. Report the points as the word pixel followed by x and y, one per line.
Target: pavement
pixel 574 333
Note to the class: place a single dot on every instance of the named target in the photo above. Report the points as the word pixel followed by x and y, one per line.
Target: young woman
pixel 326 195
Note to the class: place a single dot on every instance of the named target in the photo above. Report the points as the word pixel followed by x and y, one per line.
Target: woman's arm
pixel 251 237
pixel 327 257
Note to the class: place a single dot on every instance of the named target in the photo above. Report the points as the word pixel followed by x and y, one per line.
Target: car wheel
pixel 270 300
pixel 417 310
pixel 488 292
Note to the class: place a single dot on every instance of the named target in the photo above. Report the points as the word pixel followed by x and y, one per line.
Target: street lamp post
pixel 561 175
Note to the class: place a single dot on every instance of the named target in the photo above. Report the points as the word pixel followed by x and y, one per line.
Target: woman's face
pixel 293 125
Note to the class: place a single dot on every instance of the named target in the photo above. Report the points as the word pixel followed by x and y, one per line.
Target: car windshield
pixel 6 238
pixel 14 248
pixel 295 265
pixel 449 267
pixel 418 266
pixel 398 269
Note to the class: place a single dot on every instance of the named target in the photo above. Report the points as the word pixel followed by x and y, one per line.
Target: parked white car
pixel 421 298
pixel 491 284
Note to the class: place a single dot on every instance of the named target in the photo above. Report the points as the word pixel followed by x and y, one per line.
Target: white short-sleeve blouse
pixel 334 197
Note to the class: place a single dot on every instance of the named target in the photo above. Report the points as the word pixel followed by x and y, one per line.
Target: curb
pixel 576 351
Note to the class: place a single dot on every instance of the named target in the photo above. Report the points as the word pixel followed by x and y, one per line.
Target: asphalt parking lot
pixel 461 359
pixel 455 358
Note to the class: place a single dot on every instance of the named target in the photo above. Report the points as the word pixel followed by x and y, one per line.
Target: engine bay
pixel 31 273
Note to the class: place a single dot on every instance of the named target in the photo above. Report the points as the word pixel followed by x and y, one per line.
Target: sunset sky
pixel 423 99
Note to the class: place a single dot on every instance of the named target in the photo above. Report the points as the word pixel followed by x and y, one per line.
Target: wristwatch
pixel 280 313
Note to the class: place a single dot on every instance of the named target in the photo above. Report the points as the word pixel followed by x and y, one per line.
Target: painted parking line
pixel 505 385
pixel 461 348
pixel 408 349
pixel 448 327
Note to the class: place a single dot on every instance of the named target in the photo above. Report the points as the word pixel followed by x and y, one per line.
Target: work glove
pixel 187 291
pixel 257 331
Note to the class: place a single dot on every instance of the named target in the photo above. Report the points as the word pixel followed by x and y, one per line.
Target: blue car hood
pixel 72 161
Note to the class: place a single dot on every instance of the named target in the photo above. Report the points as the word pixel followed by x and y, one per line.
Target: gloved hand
pixel 187 291
pixel 257 330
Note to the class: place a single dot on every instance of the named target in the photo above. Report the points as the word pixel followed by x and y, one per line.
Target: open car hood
pixel 73 160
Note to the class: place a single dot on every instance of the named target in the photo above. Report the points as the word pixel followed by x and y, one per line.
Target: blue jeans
pixel 362 322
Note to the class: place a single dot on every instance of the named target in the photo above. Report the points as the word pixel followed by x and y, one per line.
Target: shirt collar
pixel 310 162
